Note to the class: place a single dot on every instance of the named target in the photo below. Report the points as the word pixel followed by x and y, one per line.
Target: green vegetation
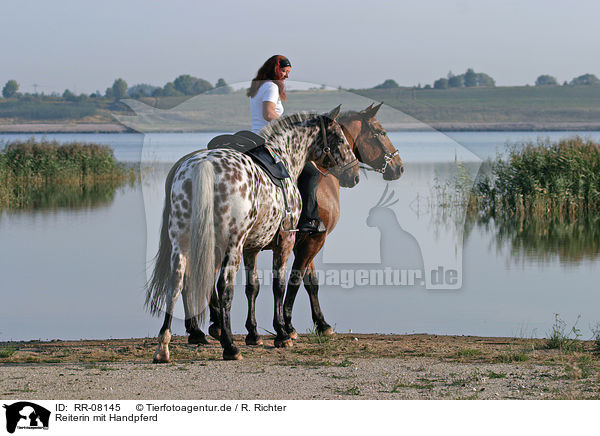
pixel 119 89
pixel 549 104
pixel 510 356
pixel 469 79
pixel 389 83
pixel 6 352
pixel 353 390
pixel 10 89
pixel 562 340
pixel 50 109
pixel 470 97
pixel 542 200
pixel 585 79
pixel 45 174
pixel 596 333
pixel 546 79
pixel 468 352
pixel 544 179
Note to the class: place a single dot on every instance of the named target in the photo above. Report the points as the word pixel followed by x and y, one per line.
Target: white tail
pixel 201 262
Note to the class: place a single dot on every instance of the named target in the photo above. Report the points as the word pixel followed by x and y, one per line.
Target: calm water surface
pixel 74 274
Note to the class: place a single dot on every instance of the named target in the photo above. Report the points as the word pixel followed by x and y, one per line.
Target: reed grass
pixel 37 174
pixel 551 180
pixel 542 199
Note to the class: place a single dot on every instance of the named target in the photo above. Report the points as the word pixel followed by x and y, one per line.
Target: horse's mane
pixel 279 125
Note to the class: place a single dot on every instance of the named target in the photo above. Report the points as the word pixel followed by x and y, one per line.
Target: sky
pixel 85 46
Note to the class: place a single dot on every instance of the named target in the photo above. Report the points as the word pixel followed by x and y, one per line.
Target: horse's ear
pixel 371 112
pixel 334 113
pixel 367 109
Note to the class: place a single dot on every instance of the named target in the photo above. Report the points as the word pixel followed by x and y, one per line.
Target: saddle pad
pixel 275 170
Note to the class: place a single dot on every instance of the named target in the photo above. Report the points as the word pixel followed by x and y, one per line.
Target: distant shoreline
pixel 35 128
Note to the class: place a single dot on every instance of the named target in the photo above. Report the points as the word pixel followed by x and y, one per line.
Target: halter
pixel 387 158
pixel 328 153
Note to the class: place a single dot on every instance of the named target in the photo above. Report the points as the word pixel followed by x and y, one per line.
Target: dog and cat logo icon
pixel 26 415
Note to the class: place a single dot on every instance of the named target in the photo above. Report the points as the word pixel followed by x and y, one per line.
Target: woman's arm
pixel 268 111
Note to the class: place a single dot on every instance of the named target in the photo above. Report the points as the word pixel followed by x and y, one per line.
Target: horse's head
pixel 382 212
pixel 332 150
pixel 370 142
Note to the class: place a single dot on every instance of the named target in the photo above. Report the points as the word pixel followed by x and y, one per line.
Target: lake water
pixel 73 274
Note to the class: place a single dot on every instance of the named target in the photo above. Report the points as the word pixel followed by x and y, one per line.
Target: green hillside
pixel 462 108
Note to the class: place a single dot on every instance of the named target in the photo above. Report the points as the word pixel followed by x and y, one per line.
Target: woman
pixel 266 93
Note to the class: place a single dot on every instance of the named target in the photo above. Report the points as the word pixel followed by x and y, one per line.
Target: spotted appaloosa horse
pixel 372 146
pixel 220 205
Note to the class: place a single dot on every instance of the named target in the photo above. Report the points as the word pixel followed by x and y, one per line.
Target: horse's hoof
pixel 286 343
pixel 254 340
pixel 197 340
pixel 327 332
pixel 214 331
pixel 293 334
pixel 234 356
pixel 160 358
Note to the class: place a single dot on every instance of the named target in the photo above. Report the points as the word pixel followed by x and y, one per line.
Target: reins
pixel 330 155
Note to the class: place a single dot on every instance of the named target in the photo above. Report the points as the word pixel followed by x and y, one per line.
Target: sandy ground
pixel 344 367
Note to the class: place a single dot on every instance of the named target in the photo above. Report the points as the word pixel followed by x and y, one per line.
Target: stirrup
pixel 312 226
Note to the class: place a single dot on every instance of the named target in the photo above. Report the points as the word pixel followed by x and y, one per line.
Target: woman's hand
pixel 268 111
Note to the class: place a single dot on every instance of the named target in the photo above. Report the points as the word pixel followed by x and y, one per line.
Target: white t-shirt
pixel 268 91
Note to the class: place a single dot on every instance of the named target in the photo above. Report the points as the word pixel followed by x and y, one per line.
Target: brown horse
pixel 372 146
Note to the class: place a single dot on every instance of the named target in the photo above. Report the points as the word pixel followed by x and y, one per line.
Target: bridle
pixel 327 153
pixel 387 157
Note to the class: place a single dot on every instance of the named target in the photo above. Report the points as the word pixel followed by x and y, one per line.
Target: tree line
pixel 470 79
pixel 183 85
pixel 187 85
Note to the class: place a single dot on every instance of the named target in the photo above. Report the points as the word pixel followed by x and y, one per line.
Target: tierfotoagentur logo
pixel 25 415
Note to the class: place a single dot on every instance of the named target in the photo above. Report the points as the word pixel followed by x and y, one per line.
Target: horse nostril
pixel 402 169
pixel 356 179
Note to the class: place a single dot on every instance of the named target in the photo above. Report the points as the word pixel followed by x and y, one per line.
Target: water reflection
pixel 79 196
pixel 543 240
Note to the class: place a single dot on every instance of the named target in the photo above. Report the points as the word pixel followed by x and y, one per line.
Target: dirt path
pixel 345 367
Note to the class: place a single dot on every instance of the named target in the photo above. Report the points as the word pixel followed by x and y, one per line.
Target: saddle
pixel 254 146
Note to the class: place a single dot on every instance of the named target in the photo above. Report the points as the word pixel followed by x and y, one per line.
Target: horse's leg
pixel 252 287
pixel 296 276
pixel 311 283
pixel 215 317
pixel 229 268
pixel 281 254
pixel 196 336
pixel 178 269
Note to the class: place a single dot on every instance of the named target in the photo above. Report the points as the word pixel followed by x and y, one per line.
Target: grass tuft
pixel 6 352
pixel 560 338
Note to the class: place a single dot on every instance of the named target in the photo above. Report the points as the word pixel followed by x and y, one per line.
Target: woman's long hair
pixel 269 71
